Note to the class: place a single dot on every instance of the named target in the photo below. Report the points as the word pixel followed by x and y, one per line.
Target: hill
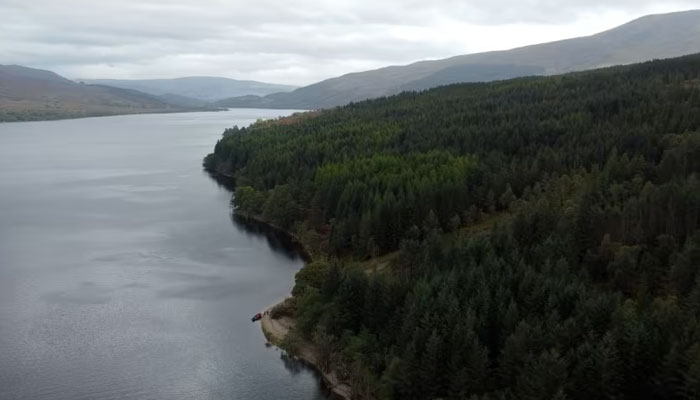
pixel 647 38
pixel 203 88
pixel 32 94
pixel 544 232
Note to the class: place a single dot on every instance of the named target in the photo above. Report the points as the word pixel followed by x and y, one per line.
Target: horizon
pixel 102 53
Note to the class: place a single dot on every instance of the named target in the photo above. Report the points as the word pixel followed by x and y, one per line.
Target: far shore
pixel 69 116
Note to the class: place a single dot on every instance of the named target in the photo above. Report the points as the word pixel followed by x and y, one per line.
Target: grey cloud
pixel 288 42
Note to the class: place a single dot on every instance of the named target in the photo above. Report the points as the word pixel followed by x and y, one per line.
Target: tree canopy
pixel 587 287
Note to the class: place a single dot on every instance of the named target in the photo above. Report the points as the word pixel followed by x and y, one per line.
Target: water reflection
pixel 297 366
pixel 278 241
pixel 292 364
pixel 225 182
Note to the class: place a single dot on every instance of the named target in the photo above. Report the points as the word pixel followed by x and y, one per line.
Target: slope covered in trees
pixel 589 288
pixel 35 94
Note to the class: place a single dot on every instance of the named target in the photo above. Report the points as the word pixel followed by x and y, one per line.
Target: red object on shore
pixel 256 317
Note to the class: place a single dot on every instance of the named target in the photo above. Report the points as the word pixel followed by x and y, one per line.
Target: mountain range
pixel 202 88
pixel 27 93
pixel 651 37
pixel 36 94
pixel 32 94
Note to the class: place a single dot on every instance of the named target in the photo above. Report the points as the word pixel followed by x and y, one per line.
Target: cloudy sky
pixel 293 41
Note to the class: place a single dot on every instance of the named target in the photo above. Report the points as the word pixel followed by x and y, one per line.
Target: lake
pixel 122 274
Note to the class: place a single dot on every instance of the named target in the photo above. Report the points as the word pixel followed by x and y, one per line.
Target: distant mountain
pixel 34 94
pixel 183 101
pixel 646 38
pixel 203 88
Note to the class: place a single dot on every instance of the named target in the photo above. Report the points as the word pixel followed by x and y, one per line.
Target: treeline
pixel 46 115
pixel 589 289
pixel 40 115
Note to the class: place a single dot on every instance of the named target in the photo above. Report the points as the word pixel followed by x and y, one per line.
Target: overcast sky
pixel 294 42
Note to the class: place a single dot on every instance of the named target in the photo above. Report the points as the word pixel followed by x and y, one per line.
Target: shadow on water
pixel 222 181
pixel 279 241
pixel 296 366
pixel 291 364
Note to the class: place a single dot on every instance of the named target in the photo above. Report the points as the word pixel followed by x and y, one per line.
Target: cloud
pixel 297 42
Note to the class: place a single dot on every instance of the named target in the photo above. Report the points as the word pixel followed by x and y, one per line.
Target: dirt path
pixel 275 330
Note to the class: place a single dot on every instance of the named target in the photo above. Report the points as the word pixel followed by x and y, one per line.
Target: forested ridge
pixel 586 288
pixel 53 114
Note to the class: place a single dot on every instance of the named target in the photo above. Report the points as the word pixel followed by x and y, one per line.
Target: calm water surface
pixel 122 275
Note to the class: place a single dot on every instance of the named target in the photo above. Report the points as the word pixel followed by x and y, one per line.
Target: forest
pixel 39 115
pixel 544 234
pixel 50 114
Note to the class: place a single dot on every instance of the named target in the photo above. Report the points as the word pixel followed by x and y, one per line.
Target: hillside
pixel 34 94
pixel 203 88
pixel 647 38
pixel 585 281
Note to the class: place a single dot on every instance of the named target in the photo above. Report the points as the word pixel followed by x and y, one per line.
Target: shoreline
pixel 275 330
pixel 118 114
pixel 299 247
